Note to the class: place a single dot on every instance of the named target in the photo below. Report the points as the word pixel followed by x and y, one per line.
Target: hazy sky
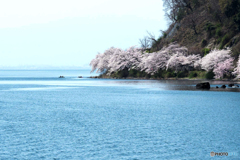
pixel 72 32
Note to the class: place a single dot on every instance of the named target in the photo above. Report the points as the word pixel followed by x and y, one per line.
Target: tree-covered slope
pixel 202 41
pixel 201 25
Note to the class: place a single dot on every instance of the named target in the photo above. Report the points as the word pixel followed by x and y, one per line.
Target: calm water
pixel 44 117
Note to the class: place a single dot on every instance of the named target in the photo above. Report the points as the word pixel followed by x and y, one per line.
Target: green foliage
pixel 224 4
pixel 224 41
pixel 209 75
pixel 193 74
pixel 152 49
pixel 209 27
pixel 236 19
pixel 219 40
pixel 180 15
pixel 147 51
pixel 205 51
pixel 132 73
pixel 159 39
pixel 147 76
pixel 218 25
pixel 164 35
pixel 170 74
pixel 160 74
pixel 141 74
pixel 156 43
pixel 229 7
pixel 236 50
pixel 221 46
pixel 218 32
pixel 204 43
pixel 123 73
pixel 182 74
pixel 172 40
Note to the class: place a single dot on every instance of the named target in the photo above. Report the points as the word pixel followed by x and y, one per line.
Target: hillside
pixel 202 25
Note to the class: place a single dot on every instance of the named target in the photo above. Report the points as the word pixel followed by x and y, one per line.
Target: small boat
pixel 61 77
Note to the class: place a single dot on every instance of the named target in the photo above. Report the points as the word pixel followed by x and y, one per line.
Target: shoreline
pixel 143 78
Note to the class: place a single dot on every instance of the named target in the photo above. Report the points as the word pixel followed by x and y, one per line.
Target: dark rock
pixel 230 85
pixel 223 86
pixel 79 76
pixel 205 85
pixel 61 77
pixel 217 87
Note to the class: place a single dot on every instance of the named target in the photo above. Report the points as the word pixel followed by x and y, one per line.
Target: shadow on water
pixel 189 85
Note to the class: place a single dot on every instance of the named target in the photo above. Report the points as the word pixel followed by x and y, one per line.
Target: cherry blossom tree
pixel 119 61
pixel 237 69
pixel 223 68
pixel 116 59
pixel 210 61
pixel 100 63
pixel 179 59
pixel 197 64
pixel 94 62
pixel 135 56
pixel 218 61
pixel 174 48
pixel 155 61
pixel 125 59
pixel 173 57
pixel 152 62
pixel 181 62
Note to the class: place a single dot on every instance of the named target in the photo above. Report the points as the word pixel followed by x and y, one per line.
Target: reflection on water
pixel 189 85
pixel 174 84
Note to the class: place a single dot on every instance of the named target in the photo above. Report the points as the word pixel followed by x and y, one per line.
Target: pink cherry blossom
pixel 209 62
pixel 223 68
pixel 173 57
pixel 237 69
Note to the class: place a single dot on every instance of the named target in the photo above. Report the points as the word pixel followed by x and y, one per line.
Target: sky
pixel 72 32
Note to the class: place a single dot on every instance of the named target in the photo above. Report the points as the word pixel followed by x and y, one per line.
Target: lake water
pixel 45 117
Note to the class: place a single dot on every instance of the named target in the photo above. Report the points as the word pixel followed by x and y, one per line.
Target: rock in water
pixel 230 85
pixel 204 85
pixel 223 86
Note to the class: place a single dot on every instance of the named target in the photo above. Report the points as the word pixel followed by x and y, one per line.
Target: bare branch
pixel 151 37
pixel 145 42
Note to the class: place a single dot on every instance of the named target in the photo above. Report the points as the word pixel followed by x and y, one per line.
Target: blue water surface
pixel 46 117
